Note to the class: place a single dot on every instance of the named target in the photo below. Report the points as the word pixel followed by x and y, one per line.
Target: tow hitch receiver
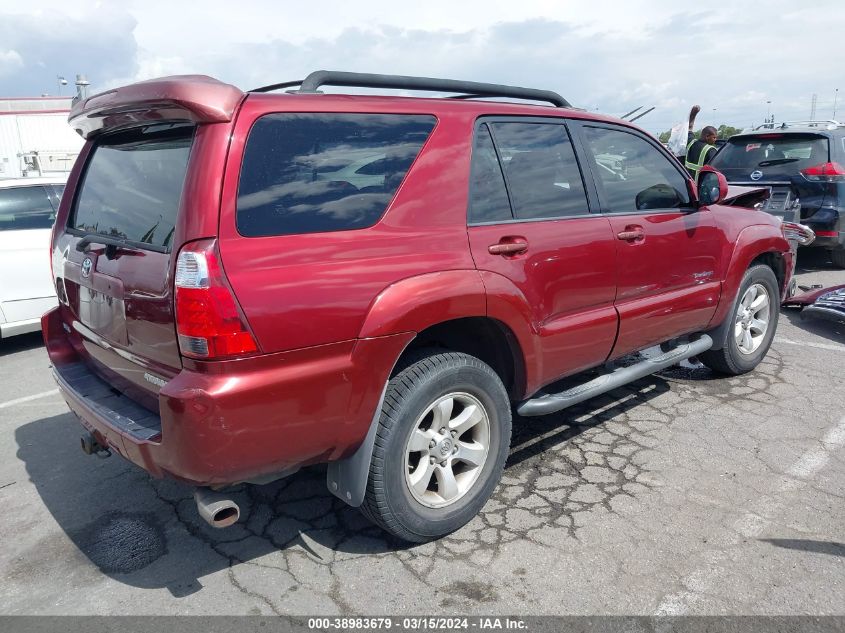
pixel 90 446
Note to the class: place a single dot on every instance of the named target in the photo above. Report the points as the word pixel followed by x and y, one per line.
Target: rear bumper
pixel 233 421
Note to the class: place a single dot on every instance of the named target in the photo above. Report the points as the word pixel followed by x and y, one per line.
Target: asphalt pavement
pixel 684 493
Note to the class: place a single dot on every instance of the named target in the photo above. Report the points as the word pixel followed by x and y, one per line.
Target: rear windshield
pixel 133 183
pixel 25 208
pixel 308 173
pixel 750 152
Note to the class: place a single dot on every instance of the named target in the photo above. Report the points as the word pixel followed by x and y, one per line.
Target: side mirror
pixel 712 186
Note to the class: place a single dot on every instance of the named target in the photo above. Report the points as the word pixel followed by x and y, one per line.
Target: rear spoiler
pixel 194 98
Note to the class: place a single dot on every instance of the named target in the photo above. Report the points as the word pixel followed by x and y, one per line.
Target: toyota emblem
pixel 87 265
pixel 756 174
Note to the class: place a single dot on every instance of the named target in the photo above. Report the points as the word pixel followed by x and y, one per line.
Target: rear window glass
pixel 309 173
pixel 751 152
pixel 23 208
pixel 133 184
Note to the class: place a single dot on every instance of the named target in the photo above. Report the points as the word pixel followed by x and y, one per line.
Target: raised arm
pixel 692 114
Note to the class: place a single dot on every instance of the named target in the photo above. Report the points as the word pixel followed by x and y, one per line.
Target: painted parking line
pixel 753 522
pixel 829 346
pixel 37 396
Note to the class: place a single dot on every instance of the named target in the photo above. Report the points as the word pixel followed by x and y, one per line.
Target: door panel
pixel 667 252
pixel 561 259
pixel 668 284
pixel 567 278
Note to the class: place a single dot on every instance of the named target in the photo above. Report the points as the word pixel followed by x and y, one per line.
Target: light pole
pixel 835 96
pixel 62 82
pixel 768 110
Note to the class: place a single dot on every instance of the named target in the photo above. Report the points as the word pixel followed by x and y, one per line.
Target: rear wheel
pixel 440 448
pixel 753 322
pixel 838 257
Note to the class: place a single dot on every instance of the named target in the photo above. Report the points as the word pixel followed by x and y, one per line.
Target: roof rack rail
pixel 828 124
pixel 468 89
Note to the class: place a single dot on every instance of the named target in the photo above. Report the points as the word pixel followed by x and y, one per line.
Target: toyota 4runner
pixel 253 282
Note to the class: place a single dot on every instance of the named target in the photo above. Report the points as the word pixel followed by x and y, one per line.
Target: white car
pixel 27 211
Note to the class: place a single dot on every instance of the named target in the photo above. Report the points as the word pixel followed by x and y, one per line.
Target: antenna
pixel 625 116
pixel 641 114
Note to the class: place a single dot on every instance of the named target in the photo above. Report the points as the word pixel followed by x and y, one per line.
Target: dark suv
pixel 253 282
pixel 801 161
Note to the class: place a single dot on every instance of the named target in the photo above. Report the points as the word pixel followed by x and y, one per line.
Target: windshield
pixel 133 184
pixel 794 151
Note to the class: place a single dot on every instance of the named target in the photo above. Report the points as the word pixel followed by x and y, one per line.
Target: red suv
pixel 253 282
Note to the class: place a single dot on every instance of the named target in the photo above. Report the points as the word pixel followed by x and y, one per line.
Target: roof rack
pixel 827 124
pixel 466 89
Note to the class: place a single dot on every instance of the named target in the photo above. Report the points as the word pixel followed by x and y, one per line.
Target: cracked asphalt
pixel 682 493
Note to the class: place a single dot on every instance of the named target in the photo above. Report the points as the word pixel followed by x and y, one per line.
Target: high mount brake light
pixel 208 321
pixel 826 172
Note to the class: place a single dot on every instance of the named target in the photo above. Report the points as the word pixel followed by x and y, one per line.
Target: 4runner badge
pixel 158 382
pixel 756 174
pixel 87 265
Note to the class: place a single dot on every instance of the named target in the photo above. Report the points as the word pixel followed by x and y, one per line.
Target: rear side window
pixel 23 208
pixel 309 173
pixel 541 171
pixel 133 185
pixel 633 175
pixel 796 151
pixel 488 195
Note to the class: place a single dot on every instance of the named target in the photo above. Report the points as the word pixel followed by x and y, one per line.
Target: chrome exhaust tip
pixel 216 509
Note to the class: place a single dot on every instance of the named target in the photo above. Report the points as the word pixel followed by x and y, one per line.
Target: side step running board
pixel 549 403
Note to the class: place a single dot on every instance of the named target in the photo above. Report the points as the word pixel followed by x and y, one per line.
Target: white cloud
pixel 731 58
pixel 10 61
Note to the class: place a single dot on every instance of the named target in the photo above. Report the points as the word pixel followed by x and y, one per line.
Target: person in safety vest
pixel 702 149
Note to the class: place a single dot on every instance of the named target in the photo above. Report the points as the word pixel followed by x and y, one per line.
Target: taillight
pixel 208 321
pixel 826 172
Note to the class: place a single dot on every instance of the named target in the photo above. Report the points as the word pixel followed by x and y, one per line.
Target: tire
pixel 838 257
pixel 737 356
pixel 399 498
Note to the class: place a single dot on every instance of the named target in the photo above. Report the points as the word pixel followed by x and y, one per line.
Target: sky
pixel 738 60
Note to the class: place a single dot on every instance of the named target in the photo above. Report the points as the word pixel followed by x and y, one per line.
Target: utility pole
pixel 813 107
pixel 81 87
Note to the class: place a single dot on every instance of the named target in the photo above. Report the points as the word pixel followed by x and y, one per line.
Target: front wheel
pixel 440 447
pixel 752 326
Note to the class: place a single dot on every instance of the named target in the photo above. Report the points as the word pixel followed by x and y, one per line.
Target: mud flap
pixel 347 478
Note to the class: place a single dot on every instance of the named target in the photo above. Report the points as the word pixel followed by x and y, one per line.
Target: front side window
pixel 633 175
pixel 23 208
pixel 309 173
pixel 541 171
pixel 133 185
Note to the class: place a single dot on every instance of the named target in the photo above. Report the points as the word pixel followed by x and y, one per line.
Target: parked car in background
pixel 801 161
pixel 27 211
pixel 253 282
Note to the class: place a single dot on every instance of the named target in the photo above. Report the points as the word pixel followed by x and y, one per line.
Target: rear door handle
pixel 512 246
pixel 631 234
